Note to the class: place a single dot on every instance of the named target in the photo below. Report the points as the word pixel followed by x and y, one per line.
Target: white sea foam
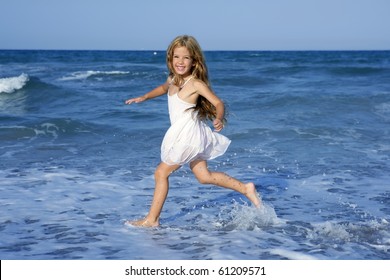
pixel 293 255
pixel 82 75
pixel 11 84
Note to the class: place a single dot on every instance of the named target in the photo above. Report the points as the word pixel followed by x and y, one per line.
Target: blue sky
pixel 217 24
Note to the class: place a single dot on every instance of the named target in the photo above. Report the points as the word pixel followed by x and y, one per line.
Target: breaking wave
pixel 12 84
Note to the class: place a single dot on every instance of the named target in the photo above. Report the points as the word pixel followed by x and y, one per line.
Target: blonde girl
pixel 191 102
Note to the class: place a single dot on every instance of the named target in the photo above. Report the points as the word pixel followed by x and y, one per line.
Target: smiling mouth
pixel 180 68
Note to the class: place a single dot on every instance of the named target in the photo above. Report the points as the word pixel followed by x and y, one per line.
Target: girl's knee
pixel 163 171
pixel 160 173
pixel 201 172
pixel 204 179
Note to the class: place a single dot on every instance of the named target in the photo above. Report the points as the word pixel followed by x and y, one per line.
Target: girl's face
pixel 182 61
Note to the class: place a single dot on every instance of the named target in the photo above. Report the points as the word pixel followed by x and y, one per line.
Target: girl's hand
pixel 218 125
pixel 135 100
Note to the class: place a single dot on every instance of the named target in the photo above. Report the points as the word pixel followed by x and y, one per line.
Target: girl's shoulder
pixel 196 82
pixel 199 84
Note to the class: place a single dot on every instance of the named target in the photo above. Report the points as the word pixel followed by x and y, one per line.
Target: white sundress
pixel 189 138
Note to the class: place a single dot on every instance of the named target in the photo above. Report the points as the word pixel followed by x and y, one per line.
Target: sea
pixel 310 128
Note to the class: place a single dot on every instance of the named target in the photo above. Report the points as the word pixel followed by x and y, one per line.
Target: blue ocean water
pixel 311 129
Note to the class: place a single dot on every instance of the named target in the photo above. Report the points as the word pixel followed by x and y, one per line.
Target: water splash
pixel 244 217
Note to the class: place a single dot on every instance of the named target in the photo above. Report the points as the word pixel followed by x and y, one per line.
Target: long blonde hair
pixel 205 109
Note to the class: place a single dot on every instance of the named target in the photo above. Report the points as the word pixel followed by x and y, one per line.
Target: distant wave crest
pixel 12 84
pixel 87 74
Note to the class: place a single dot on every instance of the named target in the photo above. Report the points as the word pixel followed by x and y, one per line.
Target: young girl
pixel 189 140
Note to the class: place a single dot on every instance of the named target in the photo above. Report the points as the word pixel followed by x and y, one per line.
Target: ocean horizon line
pixel 205 50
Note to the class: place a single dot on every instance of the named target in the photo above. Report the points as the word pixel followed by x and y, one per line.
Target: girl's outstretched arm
pixel 160 90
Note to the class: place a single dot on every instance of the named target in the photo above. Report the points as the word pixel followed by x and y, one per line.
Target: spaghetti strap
pixel 185 82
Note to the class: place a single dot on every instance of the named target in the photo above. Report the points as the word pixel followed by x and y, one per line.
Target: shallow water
pixel 311 129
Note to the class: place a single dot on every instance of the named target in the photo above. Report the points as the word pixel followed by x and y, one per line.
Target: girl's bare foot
pixel 143 223
pixel 252 195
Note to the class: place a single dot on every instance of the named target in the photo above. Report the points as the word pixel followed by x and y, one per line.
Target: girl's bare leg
pixel 161 175
pixel 204 176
